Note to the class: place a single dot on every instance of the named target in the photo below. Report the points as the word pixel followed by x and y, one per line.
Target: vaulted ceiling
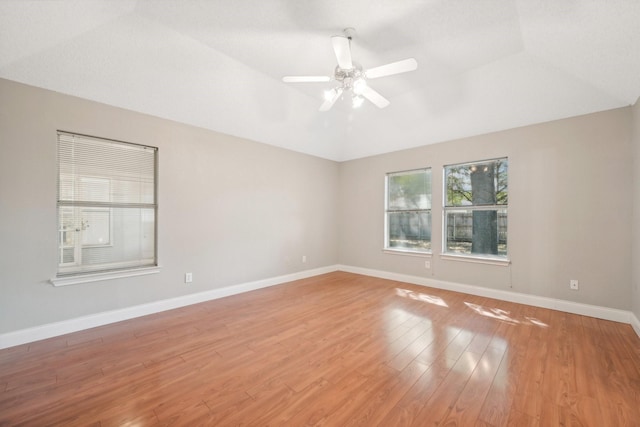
pixel 483 65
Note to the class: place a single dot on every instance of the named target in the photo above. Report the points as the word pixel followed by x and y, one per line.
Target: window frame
pixel 399 250
pixel 494 259
pixel 77 272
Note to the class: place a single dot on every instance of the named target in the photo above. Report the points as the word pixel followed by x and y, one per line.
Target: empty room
pixel 305 213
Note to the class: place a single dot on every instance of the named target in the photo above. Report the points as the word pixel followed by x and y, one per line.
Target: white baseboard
pixel 635 324
pixel 536 301
pixel 50 330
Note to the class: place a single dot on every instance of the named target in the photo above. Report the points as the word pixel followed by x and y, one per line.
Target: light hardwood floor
pixel 334 350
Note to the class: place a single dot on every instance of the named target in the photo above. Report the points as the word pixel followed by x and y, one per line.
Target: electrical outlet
pixel 427 264
pixel 188 277
pixel 573 285
pixel 304 259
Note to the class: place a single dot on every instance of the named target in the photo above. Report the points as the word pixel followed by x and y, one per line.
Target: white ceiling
pixel 483 65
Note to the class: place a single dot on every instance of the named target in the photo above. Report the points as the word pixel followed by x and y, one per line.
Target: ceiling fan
pixel 351 77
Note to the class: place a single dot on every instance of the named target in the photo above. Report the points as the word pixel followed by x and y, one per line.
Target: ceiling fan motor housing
pixel 348 77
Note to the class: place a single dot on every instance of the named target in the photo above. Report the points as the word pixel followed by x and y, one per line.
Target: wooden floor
pixel 334 350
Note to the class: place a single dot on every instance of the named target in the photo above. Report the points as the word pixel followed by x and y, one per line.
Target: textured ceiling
pixel 483 65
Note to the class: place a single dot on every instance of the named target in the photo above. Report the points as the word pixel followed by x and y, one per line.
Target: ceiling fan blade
pixel 328 103
pixel 305 79
pixel 398 67
pixel 342 48
pixel 373 96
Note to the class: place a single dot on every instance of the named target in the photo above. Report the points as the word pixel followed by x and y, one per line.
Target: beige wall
pixel 570 198
pixel 636 210
pixel 230 210
pixel 233 211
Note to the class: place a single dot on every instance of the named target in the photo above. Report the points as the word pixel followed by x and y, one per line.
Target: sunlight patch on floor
pixel 503 315
pixel 418 296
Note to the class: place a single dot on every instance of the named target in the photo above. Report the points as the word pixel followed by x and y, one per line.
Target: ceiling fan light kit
pixel 350 76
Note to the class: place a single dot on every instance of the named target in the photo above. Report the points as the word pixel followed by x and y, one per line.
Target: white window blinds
pixel 107 205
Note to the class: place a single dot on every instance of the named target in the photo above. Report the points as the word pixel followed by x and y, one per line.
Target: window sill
pixel 95 277
pixel 407 252
pixel 502 262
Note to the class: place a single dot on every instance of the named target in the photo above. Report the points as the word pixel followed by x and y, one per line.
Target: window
pixel 408 211
pixel 475 209
pixel 107 206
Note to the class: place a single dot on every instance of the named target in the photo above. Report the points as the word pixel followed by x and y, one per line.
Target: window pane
pixel 408 214
pixel 409 190
pixel 132 237
pixel 106 204
pixel 477 184
pixel 476 232
pixel 410 230
pixel 96 226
